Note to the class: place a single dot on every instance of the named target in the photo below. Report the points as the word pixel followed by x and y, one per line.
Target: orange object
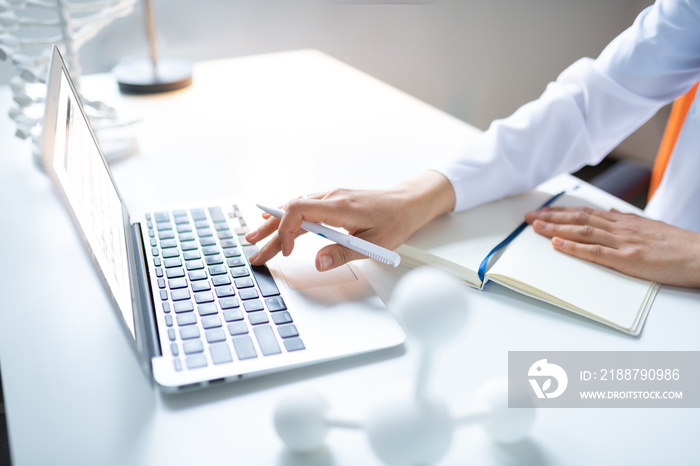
pixel 673 128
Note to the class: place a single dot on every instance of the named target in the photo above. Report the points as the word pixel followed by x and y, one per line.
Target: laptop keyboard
pixel 217 307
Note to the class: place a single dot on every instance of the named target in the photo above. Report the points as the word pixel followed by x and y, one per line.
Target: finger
pixel 335 255
pixel 580 233
pixel 269 250
pixel 573 216
pixel 596 253
pixel 329 211
pixel 264 230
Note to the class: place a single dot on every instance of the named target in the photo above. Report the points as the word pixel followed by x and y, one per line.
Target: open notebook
pixel 459 242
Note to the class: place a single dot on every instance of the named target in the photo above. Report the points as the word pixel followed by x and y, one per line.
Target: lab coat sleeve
pixel 590 108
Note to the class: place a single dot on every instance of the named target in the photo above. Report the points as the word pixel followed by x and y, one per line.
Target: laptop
pixel 197 311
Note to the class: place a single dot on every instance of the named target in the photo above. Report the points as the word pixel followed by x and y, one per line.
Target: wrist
pixel 424 197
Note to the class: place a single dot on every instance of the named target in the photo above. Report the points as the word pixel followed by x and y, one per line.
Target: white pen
pixel 351 242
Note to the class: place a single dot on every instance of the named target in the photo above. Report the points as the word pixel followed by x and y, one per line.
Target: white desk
pixel 296 122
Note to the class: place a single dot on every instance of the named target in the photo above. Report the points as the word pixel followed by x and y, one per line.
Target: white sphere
pixel 503 424
pixel 300 421
pixel 431 305
pixel 410 432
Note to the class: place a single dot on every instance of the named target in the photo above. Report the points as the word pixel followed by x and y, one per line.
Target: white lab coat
pixel 591 107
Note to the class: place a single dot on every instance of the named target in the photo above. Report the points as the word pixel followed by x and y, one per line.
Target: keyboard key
pixel 232 252
pixel 254 305
pixel 217 270
pixel 196 361
pixel 258 317
pixel 165 234
pixel 245 282
pixel 238 272
pixel 248 293
pixel 181 220
pixel 184 228
pixel 179 213
pixel 168 243
pixel 213 260
pixel 250 250
pixel 237 328
pixel 188 318
pixel 244 347
pixel 194 265
pixel 163 295
pixel 228 303
pixel 207 309
pixel 192 346
pixel 168 320
pixel 172 262
pixel 198 214
pixel 211 322
pixel 174 349
pixel 201 224
pixel 221 280
pixel 178 365
pixel 266 340
pixel 228 243
pixel 201 285
pixel 224 234
pixel 179 295
pixel 224 291
pixel 183 306
pixel 207 241
pixel 155 251
pixel 204 297
pixel 294 344
pixel 231 315
pixel 166 307
pixel 220 354
pixel 151 232
pixel 219 226
pixel 217 215
pixel 191 255
pixel 175 273
pixel 157 262
pixel 209 250
pixel 188 245
pixel 176 283
pixel 187 236
pixel 282 318
pixel 159 272
pixel 170 253
pixel 287 331
pixel 276 303
pixel 235 262
pixel 161 216
pixel 197 275
pixel 189 332
pixel 215 335
pixel 242 230
pixel 203 232
pixel 161 283
pixel 162 226
pixel 171 334
pixel 265 281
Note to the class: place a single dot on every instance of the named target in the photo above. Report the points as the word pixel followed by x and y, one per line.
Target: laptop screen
pixel 87 185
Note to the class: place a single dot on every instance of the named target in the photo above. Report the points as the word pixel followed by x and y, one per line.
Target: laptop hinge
pixel 147 339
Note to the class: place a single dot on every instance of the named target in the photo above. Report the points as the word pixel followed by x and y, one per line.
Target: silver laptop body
pixel 198 313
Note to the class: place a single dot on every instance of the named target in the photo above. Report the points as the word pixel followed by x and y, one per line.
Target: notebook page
pixel 466 238
pixel 595 289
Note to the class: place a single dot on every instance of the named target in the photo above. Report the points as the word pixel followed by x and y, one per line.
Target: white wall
pixel 476 59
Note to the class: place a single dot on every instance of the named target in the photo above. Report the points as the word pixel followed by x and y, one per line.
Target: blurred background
pixel 476 59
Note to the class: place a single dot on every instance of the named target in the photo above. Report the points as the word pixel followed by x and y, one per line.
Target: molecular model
pixel 417 430
pixel 28 31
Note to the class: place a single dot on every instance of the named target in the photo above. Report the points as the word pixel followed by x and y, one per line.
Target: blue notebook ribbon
pixel 511 237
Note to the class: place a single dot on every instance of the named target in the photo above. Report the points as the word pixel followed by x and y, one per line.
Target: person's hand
pixel 383 217
pixel 628 243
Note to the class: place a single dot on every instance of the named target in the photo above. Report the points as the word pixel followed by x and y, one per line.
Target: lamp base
pixel 139 76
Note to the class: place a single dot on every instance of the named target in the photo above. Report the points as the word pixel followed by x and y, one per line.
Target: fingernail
pixel 325 262
pixel 254 257
pixel 558 242
pixel 539 225
pixel 251 236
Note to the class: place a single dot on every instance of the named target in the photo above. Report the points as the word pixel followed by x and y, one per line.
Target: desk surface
pixel 270 128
